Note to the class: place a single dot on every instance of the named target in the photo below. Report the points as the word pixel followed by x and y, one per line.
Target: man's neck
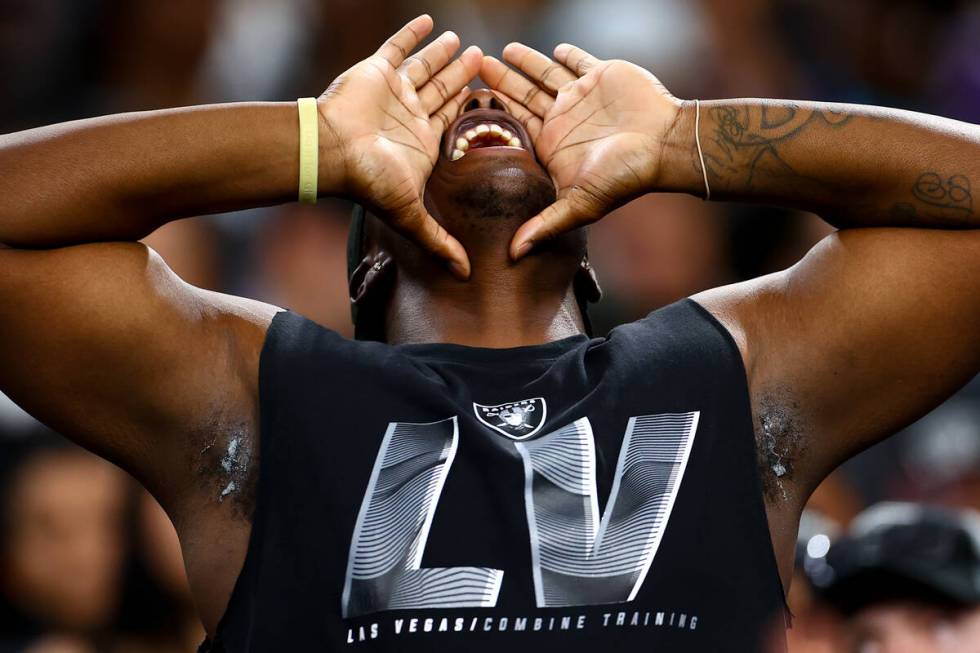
pixel 502 305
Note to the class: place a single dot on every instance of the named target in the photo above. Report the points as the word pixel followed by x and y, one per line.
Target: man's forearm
pixel 854 165
pixel 120 177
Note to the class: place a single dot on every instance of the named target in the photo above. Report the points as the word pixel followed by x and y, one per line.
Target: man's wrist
pixel 331 170
pixel 679 170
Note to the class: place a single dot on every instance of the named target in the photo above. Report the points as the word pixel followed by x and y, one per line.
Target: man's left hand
pixel 599 127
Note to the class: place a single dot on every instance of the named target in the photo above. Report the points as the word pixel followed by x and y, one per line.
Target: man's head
pixel 485 184
pixel 909 579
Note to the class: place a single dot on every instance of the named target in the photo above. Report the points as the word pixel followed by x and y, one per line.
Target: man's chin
pixel 493 183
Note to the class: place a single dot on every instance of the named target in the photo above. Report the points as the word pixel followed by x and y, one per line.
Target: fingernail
pixel 459 269
pixel 522 249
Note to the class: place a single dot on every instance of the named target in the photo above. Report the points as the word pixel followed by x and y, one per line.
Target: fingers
pixel 530 121
pixel 421 66
pixel 442 118
pixel 448 82
pixel 569 212
pixel 415 223
pixel 545 72
pixel 575 59
pixel 511 83
pixel 397 48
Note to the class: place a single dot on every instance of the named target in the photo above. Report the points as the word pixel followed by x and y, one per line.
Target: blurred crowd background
pixel 88 562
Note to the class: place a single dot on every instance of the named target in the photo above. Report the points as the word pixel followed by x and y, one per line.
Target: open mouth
pixel 486 132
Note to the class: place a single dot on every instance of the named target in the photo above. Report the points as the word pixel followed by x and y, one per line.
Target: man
pixel 908 577
pixel 488 476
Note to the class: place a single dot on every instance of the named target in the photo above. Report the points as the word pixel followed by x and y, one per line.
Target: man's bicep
pixel 105 344
pixel 871 330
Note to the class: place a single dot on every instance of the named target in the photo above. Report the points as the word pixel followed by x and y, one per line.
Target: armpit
pixel 780 443
pixel 226 462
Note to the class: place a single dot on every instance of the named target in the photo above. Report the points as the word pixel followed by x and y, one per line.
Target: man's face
pixel 487 167
pixel 915 628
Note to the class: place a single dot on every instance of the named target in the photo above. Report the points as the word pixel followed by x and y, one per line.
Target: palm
pixel 384 118
pixel 601 135
pixel 391 146
pixel 598 127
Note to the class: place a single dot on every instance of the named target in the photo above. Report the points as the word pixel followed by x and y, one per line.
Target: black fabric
pixel 327 404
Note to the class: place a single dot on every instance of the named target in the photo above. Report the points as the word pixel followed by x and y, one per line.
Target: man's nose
pixel 483 99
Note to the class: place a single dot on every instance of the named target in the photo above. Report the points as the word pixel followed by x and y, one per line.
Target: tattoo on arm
pixel 745 149
pixel 951 196
pixel 747 141
pixel 950 193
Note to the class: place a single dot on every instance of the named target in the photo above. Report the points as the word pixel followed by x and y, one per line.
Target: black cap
pixel 584 291
pixel 902 551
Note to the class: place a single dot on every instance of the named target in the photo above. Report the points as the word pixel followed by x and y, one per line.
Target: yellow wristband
pixel 309 155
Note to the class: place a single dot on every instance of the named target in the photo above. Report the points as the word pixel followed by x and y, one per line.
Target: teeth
pixel 464 142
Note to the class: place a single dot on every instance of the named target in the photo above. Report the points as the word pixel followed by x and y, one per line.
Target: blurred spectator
pixel 153 52
pixel 815 628
pixel 62 541
pixel 44 60
pixel 262 50
pixel 935 460
pixel 653 251
pixel 302 260
pixel 908 578
pixel 190 248
pixel 83 562
pixel 157 614
pixel 955 82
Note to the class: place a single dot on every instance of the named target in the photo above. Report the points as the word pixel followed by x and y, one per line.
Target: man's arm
pixel 101 340
pixel 120 177
pixel 854 165
pixel 870 331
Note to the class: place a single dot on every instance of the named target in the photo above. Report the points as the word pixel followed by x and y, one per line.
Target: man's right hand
pixel 383 120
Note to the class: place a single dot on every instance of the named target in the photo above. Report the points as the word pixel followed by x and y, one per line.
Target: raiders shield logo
pixel 515 419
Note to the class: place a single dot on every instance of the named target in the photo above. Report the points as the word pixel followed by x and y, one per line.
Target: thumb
pixel 415 222
pixel 576 208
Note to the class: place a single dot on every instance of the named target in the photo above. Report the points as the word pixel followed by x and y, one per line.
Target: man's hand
pixel 384 118
pixel 599 127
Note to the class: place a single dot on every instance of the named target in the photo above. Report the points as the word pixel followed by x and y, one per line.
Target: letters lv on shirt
pixel 579 557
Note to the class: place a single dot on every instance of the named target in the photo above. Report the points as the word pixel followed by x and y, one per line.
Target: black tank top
pixel 582 495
